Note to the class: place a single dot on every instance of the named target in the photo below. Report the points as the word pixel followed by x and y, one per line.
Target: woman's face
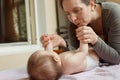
pixel 77 12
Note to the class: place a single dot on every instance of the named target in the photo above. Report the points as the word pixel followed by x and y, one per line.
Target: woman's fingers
pixel 86 40
pixel 82 33
pixel 86 34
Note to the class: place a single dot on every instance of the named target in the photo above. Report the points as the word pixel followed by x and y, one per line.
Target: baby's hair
pixel 43 67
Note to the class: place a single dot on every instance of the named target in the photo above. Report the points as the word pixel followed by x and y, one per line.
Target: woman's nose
pixel 73 18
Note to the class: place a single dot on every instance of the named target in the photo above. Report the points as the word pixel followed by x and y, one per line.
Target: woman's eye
pixel 76 11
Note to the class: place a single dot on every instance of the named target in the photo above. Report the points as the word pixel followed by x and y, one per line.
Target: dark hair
pixel 44 66
pixel 84 1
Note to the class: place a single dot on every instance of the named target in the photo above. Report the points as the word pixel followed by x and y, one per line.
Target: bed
pixel 99 73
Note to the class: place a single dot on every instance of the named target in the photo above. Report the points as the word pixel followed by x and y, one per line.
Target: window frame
pixel 32 31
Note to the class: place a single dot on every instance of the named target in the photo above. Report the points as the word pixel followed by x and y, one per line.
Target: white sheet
pixel 99 73
pixel 13 74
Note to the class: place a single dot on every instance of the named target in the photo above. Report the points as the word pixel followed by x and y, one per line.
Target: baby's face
pixel 54 55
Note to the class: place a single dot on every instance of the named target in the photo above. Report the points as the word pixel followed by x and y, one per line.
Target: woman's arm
pixel 109 50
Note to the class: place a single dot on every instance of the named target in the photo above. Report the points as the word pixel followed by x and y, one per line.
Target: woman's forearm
pixel 107 53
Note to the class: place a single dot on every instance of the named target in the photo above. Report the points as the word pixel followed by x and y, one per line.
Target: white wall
pixel 46 16
pixel 51 21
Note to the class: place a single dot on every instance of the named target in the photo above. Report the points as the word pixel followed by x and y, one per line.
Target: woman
pixel 96 24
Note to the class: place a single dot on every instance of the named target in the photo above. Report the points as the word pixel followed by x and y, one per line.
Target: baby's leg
pixel 49 46
pixel 83 48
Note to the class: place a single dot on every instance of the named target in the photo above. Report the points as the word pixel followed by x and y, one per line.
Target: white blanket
pixel 99 73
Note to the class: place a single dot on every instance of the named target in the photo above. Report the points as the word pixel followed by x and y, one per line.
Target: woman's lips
pixel 79 25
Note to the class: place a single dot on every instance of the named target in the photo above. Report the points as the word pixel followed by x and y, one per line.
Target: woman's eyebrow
pixel 77 8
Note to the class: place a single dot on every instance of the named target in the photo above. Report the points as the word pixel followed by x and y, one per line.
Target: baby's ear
pixel 56 59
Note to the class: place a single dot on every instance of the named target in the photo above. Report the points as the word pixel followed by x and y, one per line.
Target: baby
pixel 48 65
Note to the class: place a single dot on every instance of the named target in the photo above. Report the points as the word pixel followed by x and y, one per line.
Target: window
pixel 18 32
pixel 16 22
pixel 37 21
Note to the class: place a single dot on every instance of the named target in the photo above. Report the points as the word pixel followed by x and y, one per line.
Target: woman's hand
pixel 86 35
pixel 56 40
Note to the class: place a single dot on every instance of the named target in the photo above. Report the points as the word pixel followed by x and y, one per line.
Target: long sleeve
pixel 106 52
pixel 109 50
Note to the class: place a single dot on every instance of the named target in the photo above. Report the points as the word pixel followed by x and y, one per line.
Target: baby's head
pixel 43 65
